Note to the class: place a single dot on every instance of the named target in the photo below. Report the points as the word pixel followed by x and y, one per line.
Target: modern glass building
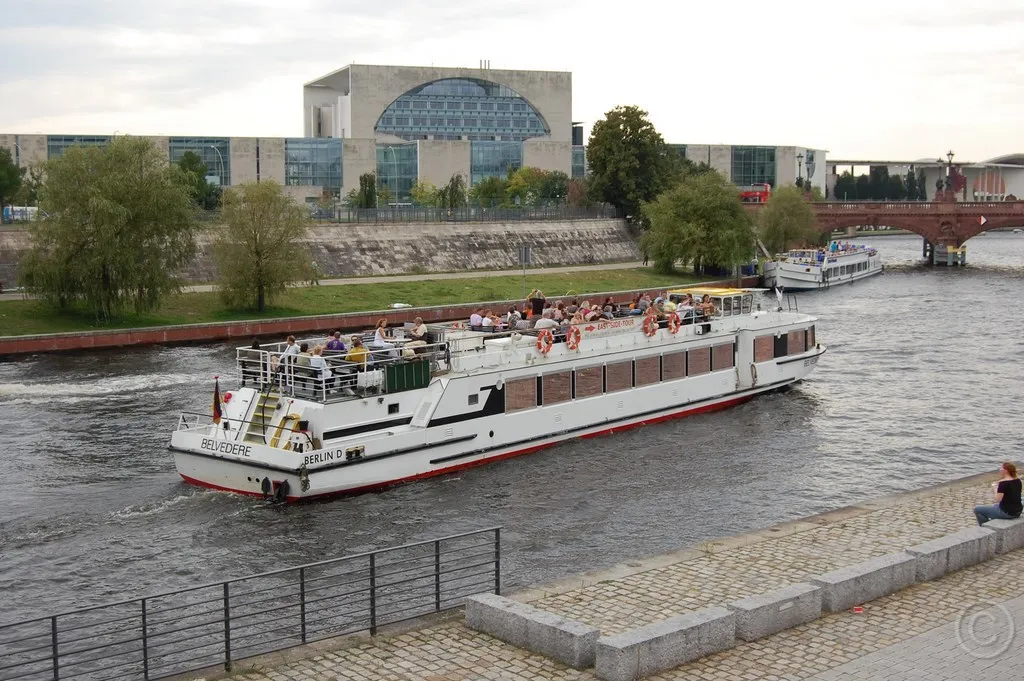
pixel 494 159
pixel 461 108
pixel 57 144
pixel 397 169
pixel 214 151
pixel 753 165
pixel 313 163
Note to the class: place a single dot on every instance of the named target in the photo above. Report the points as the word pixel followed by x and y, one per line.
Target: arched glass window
pixel 455 107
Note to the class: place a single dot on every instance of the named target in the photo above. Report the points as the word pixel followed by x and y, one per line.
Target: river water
pixel 923 383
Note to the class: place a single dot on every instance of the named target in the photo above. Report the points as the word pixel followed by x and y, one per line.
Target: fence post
pixel 227 628
pixel 437 576
pixel 53 646
pixel 145 644
pixel 373 594
pixel 497 560
pixel 302 601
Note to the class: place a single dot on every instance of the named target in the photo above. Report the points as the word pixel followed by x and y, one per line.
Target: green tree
pixel 119 223
pixel 10 178
pixel 897 190
pixel 910 184
pixel 863 188
pixel 423 194
pixel 260 247
pixel 489 192
pixel 878 180
pixel 846 187
pixel 31 186
pixel 629 161
pixel 453 195
pixel 207 196
pixel 554 187
pixel 922 187
pixel 577 193
pixel 700 221
pixel 787 220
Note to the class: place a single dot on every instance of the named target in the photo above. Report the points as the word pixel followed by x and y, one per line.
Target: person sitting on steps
pixel 1008 501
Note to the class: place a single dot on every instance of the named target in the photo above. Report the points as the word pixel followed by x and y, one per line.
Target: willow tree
pixel 701 222
pixel 118 225
pixel 787 220
pixel 261 246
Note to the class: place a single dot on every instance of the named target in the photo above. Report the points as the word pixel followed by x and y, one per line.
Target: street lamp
pixel 220 179
pixel 800 170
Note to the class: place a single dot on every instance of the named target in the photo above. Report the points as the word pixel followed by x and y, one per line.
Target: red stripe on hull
pixel 479 462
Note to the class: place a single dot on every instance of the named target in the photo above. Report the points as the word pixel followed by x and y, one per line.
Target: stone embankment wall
pixel 347 250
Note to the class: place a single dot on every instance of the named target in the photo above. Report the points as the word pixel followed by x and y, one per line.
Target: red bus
pixel 755 193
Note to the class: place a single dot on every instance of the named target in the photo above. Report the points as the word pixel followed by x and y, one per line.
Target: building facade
pixel 997 179
pixel 751 165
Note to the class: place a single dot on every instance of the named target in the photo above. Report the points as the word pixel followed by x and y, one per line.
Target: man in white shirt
pixel 476 319
pixel 419 330
pixel 546 322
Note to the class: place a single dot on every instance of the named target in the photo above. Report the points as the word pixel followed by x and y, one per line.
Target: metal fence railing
pixel 217 624
pixel 468 213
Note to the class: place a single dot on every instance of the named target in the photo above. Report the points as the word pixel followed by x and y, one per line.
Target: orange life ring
pixel 573 337
pixel 650 325
pixel 545 339
pixel 673 323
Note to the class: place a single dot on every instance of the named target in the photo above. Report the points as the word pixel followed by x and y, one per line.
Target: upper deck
pixel 408 365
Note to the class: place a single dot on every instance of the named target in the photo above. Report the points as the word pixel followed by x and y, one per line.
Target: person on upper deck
pixel 419 330
pixel 536 301
pixel 319 364
pixel 382 338
pixel 290 347
pixel 335 345
pixel 476 319
pixel 1008 500
pixel 359 355
pixel 546 322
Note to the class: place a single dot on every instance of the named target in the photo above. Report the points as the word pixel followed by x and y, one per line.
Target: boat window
pixel 796 342
pixel 736 305
pixel 810 338
pixel 393 408
pixel 557 387
pixel 747 302
pixel 673 365
pixel 520 394
pixel 726 307
pixel 722 357
pixel 589 381
pixel 474 399
pixel 698 361
pixel 781 346
pixel 764 348
pixel 619 376
pixel 648 371
pixel 675 297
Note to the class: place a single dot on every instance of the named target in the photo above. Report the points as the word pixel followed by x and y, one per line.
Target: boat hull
pixel 426 452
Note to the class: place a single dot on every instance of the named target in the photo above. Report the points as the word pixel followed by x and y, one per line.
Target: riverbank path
pixel 470 274
pixel 930 630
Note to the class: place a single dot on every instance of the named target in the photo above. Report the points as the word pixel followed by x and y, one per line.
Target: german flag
pixel 216 400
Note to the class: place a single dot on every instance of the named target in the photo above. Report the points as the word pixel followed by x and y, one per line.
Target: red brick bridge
pixel 945 222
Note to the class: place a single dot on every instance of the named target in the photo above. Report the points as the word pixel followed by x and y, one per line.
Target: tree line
pixel 879 185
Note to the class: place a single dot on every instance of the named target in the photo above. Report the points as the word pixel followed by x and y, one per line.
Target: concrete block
pixel 863 582
pixel 567 641
pixel 664 645
pixel 1009 534
pixel 766 614
pixel 953 552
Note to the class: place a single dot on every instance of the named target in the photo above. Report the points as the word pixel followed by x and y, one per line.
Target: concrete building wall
pixel 373 88
pixel 547 155
pixel 162 144
pixel 301 193
pixel 272 159
pixel 30 149
pixel 785 166
pixel 721 159
pixel 440 159
pixel 358 156
pixel 243 159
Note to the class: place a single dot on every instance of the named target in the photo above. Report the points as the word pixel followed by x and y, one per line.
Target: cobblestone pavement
pixel 979 646
pixel 451 652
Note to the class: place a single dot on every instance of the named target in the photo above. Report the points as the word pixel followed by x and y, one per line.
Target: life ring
pixel 650 325
pixel 673 323
pixel 573 337
pixel 753 374
pixel 545 339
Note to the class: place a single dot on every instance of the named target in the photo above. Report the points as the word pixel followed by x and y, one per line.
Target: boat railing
pixel 381 370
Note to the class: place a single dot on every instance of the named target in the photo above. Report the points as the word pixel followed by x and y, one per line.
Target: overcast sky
pixel 870 79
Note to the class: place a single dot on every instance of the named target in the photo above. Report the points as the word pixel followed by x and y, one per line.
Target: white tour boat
pixel 805 269
pixel 468 397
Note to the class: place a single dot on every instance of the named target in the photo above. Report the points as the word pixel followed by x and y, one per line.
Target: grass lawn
pixel 19 317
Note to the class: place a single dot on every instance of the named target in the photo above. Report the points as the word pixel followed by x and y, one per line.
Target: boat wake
pixel 29 393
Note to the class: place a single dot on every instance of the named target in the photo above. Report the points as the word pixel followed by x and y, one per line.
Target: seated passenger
pixel 335 345
pixel 358 355
pixel 382 338
pixel 319 365
pixel 476 319
pixel 419 330
pixel 546 322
